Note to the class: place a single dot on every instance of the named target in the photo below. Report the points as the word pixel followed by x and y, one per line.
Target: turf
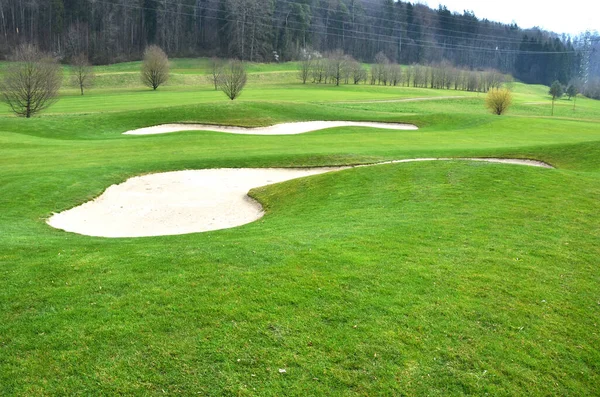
pixel 435 278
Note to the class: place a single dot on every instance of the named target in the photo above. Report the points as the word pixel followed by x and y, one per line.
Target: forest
pixel 109 31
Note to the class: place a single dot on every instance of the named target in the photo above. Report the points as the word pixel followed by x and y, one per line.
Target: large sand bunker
pixel 277 129
pixel 175 203
pixel 184 202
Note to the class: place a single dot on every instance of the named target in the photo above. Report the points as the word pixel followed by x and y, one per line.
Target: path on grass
pixel 182 202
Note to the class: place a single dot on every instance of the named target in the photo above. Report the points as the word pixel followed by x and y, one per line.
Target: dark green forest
pixel 278 30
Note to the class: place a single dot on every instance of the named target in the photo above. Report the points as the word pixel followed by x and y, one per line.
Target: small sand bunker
pixel 277 129
pixel 530 163
pixel 184 202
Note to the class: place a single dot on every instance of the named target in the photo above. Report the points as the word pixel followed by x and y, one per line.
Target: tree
pixel 233 79
pixel 31 82
pixel 337 65
pixel 319 70
pixel 82 73
pixel 498 100
pixel 155 67
pixel 556 90
pixel 305 66
pixel 379 70
pixel 395 73
pixel 571 91
pixel 358 72
pixel 216 68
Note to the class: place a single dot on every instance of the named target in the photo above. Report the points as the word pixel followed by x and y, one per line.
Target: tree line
pixel 110 31
pixel 339 68
pixel 32 80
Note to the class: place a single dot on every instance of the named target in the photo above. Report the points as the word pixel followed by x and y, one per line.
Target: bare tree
pixel 82 72
pixel 233 79
pixel 358 72
pixel 155 67
pixel 408 75
pixel 319 71
pixel 306 65
pixel 216 68
pixel 473 81
pixel 395 74
pixel 337 65
pixel 31 82
pixel 374 72
pixel 380 68
pixel 419 75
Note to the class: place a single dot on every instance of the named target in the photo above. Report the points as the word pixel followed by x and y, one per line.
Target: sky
pixel 571 17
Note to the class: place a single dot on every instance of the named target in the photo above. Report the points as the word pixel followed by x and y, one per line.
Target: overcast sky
pixel 572 16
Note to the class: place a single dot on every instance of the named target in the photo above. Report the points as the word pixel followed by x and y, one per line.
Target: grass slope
pixel 435 278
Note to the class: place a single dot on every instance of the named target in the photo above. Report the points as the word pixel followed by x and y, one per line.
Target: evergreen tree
pixel 556 91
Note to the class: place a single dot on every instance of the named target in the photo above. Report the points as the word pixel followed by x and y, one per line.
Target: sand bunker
pixel 277 129
pixel 175 203
pixel 184 202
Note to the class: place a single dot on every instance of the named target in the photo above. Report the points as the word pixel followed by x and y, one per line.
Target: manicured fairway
pixel 432 278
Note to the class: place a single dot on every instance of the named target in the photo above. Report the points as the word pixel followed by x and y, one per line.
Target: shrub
pixel 233 79
pixel 498 100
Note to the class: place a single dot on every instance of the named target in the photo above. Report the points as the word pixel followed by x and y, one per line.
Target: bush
pixel 233 79
pixel 498 100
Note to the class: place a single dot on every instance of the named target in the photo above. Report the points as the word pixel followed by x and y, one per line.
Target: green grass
pixel 434 278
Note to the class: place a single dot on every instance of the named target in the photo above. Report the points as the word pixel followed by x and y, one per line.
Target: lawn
pixel 431 278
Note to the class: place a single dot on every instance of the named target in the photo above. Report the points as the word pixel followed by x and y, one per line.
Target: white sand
pixel 189 201
pixel 175 203
pixel 531 163
pixel 277 129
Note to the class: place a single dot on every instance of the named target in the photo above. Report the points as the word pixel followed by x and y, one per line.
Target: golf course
pixel 424 278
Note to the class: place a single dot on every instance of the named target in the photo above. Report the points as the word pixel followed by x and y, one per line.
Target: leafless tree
pixel 347 70
pixel 395 74
pixel 319 71
pixel 338 63
pixel 216 68
pixel 445 73
pixel 82 73
pixel 408 75
pixel 380 68
pixel 155 67
pixel 233 79
pixel 419 76
pixel 472 80
pixel 358 72
pixel 306 65
pixel 374 72
pixel 31 82
pixel 456 78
